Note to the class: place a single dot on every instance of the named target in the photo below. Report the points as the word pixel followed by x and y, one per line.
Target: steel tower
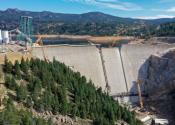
pixel 26 30
pixel 26 25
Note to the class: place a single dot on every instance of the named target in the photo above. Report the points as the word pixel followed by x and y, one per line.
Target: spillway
pixel 85 59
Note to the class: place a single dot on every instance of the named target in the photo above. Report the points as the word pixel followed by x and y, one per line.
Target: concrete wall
pixel 85 59
pixel 134 60
pixel 114 70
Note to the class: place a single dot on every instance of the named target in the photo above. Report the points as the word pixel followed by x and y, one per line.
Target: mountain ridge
pixel 91 23
pixel 95 14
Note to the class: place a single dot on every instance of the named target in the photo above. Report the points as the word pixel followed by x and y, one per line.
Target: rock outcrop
pixel 160 85
pixel 160 77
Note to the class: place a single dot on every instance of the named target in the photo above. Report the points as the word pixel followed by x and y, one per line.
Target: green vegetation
pixel 87 28
pixel 12 116
pixel 167 29
pixel 93 23
pixel 55 87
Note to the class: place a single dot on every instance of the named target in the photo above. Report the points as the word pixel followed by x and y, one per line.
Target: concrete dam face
pixel 85 59
pixel 119 68
pixel 135 62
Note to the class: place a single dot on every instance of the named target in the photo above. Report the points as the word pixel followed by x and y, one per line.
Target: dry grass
pixel 105 39
pixel 12 56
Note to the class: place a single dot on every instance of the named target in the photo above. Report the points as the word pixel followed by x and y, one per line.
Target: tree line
pixel 52 86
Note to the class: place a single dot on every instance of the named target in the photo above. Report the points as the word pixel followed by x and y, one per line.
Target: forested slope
pixel 54 87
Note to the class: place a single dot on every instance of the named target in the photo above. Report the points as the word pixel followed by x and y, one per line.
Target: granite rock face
pixel 160 78
pixel 160 84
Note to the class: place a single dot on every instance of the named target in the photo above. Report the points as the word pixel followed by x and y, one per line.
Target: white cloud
pixel 171 9
pixel 155 17
pixel 165 1
pixel 114 4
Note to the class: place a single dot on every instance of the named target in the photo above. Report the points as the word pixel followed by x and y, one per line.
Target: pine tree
pixel 24 66
pixel 17 70
pixel 10 83
pixel 29 102
pixel 56 88
pixel 21 93
pixel 10 114
pixel 8 67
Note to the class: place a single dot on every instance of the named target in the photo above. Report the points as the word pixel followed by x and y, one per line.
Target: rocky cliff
pixel 161 73
pixel 160 84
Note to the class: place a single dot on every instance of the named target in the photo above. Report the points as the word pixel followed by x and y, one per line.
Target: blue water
pixel 76 42
pixel 62 41
pixel 56 42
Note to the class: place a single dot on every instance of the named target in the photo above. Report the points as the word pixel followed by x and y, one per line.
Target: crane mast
pixel 139 93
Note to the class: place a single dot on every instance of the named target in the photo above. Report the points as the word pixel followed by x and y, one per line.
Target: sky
pixel 144 9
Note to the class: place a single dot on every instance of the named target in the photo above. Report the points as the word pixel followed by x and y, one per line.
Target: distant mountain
pixel 161 21
pixel 102 24
pixel 86 17
pixel 60 17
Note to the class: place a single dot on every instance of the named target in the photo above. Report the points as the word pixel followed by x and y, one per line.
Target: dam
pixel 117 67
pixel 134 61
pixel 85 59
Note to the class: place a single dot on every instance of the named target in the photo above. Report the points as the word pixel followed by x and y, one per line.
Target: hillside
pixel 53 89
pixel 92 23
pixel 167 29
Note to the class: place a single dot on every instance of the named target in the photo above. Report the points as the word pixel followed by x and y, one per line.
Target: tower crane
pixel 139 93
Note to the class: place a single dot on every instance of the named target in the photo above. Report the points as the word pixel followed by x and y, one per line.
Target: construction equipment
pixel 21 36
pixel 139 93
pixel 39 40
pixel 40 43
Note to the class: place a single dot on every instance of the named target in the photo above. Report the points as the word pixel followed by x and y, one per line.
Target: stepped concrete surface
pixel 114 70
pixel 85 59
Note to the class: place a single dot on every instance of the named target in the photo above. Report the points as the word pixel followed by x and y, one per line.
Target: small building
pixel 5 37
pixel 147 120
pixel 161 121
pixel 0 37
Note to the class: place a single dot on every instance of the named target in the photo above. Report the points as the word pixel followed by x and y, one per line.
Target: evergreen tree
pixel 9 117
pixel 8 67
pixel 24 66
pixel 10 83
pixel 29 102
pixel 21 93
pixel 55 87
pixel 17 70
